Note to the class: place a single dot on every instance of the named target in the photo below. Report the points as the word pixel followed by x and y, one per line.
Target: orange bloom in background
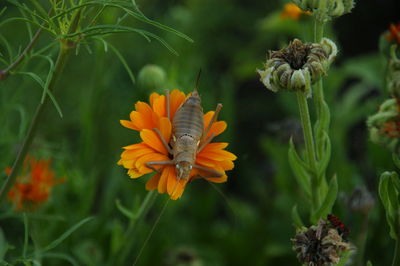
pixel 292 11
pixel 34 186
pixel 394 33
pixel 147 117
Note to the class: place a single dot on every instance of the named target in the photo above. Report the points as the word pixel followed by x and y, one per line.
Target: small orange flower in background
pixel 34 186
pixel 394 33
pixel 292 11
pixel 147 117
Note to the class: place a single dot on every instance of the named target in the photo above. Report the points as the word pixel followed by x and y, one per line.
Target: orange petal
pixel 142 121
pixel 133 154
pixel 218 155
pixel 128 124
pixel 151 139
pixel 153 97
pixel 162 184
pixel 205 162
pixel 221 179
pixel 165 128
pixel 159 106
pixel 217 128
pixel 215 146
pixel 152 157
pixel 179 189
pixel 172 183
pixel 176 99
pixel 153 182
pixel 136 146
pixel 226 165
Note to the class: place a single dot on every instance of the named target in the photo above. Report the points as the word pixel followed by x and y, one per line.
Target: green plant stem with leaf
pixel 310 147
pixel 59 65
pixel 129 239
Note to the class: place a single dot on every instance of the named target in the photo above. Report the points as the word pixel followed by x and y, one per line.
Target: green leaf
pixel 124 210
pixel 60 239
pixel 328 202
pixel 369 263
pixel 26 235
pixel 296 217
pixel 43 85
pixel 3 245
pixel 300 169
pixel 122 59
pixel 396 160
pixel 325 156
pixel 62 256
pixel 321 128
pixel 384 184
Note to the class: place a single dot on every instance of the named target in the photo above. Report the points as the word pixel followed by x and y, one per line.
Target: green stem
pixel 130 232
pixel 310 147
pixel 61 60
pixel 319 24
pixel 396 256
pixel 362 239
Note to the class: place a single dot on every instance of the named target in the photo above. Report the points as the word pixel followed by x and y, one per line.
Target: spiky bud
pixel 298 65
pixel 384 126
pixel 319 245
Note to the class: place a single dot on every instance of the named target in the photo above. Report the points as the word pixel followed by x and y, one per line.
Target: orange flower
pixel 147 117
pixel 394 33
pixel 34 187
pixel 292 11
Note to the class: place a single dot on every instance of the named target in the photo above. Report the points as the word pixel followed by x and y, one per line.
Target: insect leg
pixel 168 105
pixel 150 164
pixel 203 144
pixel 213 119
pixel 212 172
pixel 164 142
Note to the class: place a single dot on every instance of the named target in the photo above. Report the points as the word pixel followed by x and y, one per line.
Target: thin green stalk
pixel 61 60
pixel 396 255
pixel 362 239
pixel 130 232
pixel 319 24
pixel 310 147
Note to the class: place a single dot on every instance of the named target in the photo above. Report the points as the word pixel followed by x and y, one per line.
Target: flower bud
pixel 393 73
pixel 151 77
pixel 326 9
pixel 384 126
pixel 320 244
pixel 298 66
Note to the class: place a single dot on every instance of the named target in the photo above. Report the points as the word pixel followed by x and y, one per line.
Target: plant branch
pixel 61 60
pixel 4 73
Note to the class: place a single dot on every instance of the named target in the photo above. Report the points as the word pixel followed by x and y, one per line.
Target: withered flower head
pixel 384 126
pixel 298 65
pixel 319 245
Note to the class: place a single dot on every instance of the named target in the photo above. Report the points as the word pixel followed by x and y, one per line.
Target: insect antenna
pixel 197 81
pixel 153 228
pixel 228 203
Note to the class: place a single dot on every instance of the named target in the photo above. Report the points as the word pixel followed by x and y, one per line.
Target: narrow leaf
pixel 124 210
pixel 384 195
pixel 329 200
pixel 60 239
pixel 325 156
pixel 300 169
pixel 3 245
pixel 296 217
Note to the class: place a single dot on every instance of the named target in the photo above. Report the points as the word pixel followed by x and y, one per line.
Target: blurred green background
pixel 250 224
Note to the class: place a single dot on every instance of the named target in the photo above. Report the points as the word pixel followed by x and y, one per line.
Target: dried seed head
pixel 332 8
pixel 319 245
pixel 298 66
pixel 384 126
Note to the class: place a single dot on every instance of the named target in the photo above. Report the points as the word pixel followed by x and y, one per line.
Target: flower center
pixel 296 54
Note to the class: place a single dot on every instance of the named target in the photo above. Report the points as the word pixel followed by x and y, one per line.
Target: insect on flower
pixel 176 143
pixel 336 223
